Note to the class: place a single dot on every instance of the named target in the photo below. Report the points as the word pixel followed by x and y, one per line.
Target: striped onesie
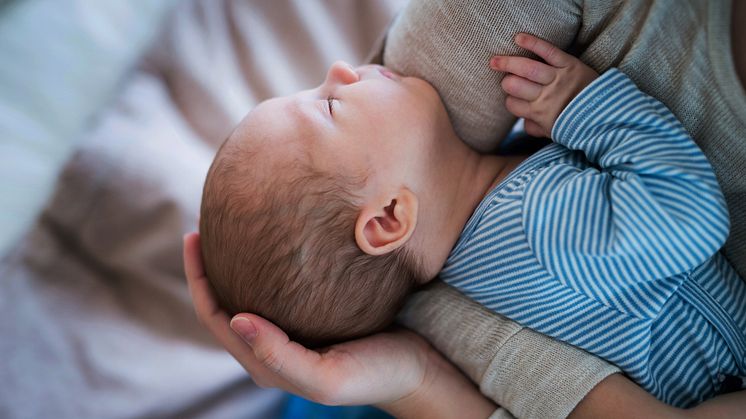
pixel 608 240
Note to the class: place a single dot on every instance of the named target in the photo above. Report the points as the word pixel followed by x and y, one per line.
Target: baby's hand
pixel 537 91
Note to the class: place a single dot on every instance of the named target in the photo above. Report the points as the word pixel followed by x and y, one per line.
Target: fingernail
pixel 244 328
pixel 494 62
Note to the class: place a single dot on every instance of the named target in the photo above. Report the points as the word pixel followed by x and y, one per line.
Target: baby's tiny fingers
pixel 520 87
pixel 547 51
pixel 524 67
pixel 518 107
pixel 533 129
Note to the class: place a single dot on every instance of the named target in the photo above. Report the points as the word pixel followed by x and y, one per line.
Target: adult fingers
pixel 548 52
pixel 520 87
pixel 518 107
pixel 527 68
pixel 199 287
pixel 209 312
pixel 304 369
pixel 259 346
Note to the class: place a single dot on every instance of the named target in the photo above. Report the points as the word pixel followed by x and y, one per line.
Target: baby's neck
pixel 479 175
pixel 506 165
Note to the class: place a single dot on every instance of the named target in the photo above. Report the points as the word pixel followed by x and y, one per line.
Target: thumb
pixel 276 352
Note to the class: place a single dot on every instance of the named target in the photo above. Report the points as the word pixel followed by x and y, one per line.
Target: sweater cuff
pixel 465 332
pixel 540 377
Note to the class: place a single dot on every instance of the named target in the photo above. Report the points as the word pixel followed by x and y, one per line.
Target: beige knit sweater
pixel 677 51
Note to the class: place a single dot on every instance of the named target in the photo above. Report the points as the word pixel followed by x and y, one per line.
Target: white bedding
pixel 61 61
pixel 95 317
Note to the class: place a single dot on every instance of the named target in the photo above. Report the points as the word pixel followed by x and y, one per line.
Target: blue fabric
pixel 297 408
pixel 608 239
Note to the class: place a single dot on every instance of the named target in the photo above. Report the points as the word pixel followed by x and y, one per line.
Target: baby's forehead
pixel 272 126
pixel 265 143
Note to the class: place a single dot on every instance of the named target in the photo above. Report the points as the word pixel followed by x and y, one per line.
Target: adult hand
pixel 397 371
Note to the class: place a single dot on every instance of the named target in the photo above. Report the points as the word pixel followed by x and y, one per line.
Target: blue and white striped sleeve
pixel 646 208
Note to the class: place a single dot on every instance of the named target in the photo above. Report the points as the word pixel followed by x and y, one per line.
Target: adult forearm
pixel 616 397
pixel 445 393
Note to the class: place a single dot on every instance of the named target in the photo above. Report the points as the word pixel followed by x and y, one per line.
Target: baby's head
pixel 309 209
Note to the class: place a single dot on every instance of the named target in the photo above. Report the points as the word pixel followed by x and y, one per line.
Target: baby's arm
pixel 647 204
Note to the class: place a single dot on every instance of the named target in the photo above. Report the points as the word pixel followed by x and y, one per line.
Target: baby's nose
pixel 341 72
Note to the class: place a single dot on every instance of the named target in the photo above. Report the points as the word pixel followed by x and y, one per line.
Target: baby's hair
pixel 285 249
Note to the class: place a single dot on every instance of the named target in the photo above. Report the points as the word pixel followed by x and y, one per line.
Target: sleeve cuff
pixel 595 103
pixel 540 377
pixel 465 332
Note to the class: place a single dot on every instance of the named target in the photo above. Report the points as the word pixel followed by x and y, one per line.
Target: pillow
pixel 62 60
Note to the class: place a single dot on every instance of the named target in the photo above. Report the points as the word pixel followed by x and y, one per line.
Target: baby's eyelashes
pixel 330 105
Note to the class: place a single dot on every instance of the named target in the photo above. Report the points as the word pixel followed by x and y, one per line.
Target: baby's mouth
pixel 389 74
pixel 376 71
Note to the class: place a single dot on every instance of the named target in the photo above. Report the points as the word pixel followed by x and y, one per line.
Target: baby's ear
pixel 385 226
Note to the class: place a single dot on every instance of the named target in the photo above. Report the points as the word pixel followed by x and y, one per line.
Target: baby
pixel 323 210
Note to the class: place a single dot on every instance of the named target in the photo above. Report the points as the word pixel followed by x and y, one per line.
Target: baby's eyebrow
pixel 307 114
